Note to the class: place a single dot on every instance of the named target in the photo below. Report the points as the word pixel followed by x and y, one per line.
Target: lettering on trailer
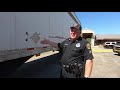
pixel 57 37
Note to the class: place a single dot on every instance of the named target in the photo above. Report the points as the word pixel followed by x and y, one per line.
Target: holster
pixel 75 68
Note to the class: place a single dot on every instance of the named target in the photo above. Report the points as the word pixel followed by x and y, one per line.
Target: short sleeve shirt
pixel 73 50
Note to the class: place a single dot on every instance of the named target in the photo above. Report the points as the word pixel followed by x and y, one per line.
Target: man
pixel 77 58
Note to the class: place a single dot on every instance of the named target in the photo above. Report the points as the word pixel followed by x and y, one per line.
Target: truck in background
pixel 109 45
pixel 116 48
pixel 21 33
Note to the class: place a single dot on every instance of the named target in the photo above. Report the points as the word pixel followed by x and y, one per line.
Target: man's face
pixel 74 33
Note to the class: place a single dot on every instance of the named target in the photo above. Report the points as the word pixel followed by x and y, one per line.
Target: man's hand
pixel 45 41
pixel 53 44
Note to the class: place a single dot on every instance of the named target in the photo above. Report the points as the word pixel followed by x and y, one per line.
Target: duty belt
pixel 75 68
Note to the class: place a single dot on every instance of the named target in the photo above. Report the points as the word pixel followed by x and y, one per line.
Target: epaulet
pixel 85 40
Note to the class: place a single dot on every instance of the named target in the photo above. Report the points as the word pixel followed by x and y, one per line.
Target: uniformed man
pixel 77 58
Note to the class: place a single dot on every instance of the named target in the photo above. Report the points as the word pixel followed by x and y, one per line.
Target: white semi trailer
pixel 21 32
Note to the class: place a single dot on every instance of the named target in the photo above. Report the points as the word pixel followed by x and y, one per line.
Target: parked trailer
pixel 21 32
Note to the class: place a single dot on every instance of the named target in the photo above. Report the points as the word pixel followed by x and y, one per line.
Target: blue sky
pixel 100 22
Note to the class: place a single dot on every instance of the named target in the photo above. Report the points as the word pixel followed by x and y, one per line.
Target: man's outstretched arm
pixel 46 41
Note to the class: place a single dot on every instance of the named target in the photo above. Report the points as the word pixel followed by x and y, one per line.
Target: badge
pixel 78 45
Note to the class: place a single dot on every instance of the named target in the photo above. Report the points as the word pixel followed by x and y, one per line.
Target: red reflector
pixel 45 47
pixel 30 48
pixel 37 54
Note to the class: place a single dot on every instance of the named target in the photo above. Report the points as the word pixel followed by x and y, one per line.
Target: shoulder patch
pixel 88 46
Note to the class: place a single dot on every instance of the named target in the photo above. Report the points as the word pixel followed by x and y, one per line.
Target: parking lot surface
pixel 106 64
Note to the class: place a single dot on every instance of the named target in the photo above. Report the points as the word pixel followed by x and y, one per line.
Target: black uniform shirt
pixel 73 50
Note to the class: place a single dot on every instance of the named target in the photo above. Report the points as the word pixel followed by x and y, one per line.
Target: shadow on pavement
pixel 10 66
pixel 47 67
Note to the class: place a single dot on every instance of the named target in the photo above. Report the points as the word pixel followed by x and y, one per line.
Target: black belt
pixel 75 68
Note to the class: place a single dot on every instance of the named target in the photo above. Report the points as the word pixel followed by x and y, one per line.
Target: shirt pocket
pixel 77 50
